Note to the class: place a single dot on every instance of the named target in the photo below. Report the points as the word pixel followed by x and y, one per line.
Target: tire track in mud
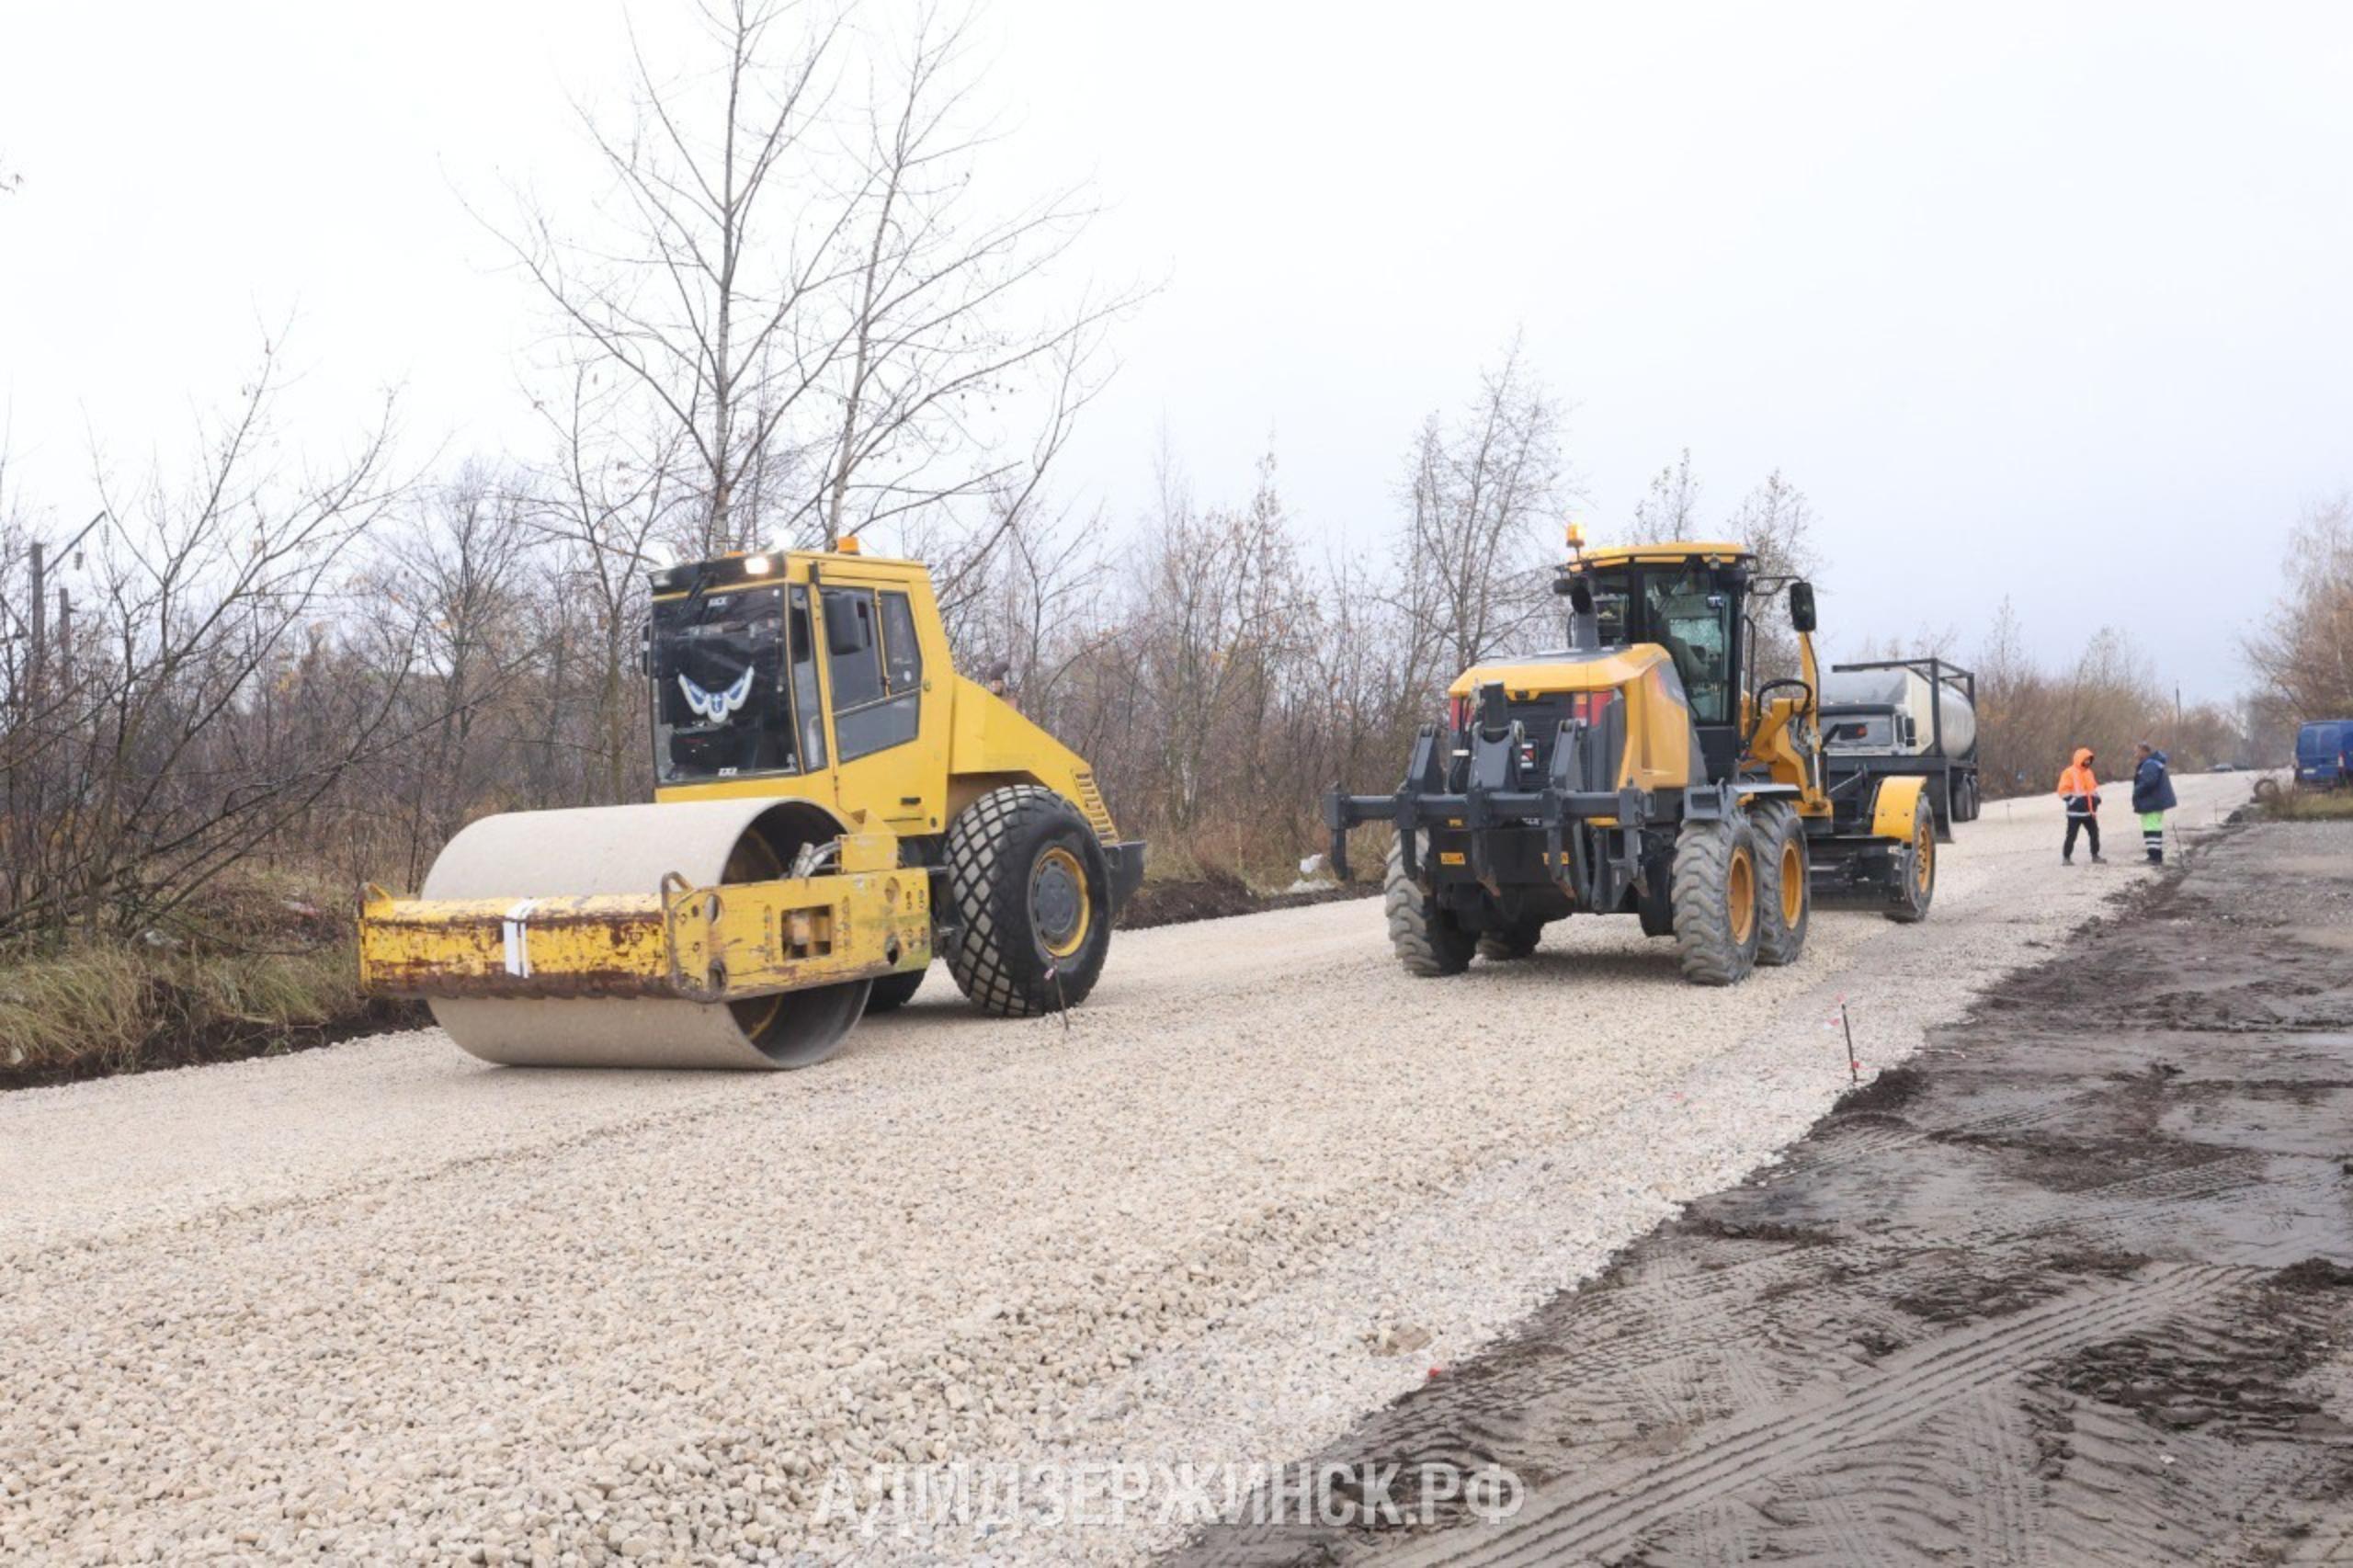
pixel 1605 1512
pixel 2076 1284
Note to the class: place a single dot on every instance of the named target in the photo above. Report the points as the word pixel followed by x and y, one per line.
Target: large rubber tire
pixel 1427 942
pixel 1656 909
pixel 1716 919
pixel 1030 892
pixel 1915 886
pixel 1784 901
pixel 893 992
pixel 1515 941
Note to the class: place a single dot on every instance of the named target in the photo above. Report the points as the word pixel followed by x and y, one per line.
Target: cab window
pixel 902 654
pixel 854 651
pixel 805 684
pixel 1691 616
pixel 875 702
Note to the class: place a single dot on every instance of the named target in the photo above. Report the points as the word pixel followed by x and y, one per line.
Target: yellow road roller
pixel 835 806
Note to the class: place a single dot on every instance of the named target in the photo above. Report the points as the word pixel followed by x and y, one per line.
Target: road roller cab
pixel 1644 769
pixel 834 805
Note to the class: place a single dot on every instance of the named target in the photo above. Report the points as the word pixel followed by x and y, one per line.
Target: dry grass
pixel 2306 805
pixel 259 968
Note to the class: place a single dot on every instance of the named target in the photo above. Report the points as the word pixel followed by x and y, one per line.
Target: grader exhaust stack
pixel 835 806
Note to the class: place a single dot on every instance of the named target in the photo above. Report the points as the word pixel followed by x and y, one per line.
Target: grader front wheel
pixel 1717 920
pixel 1784 903
pixel 1031 894
pixel 1425 937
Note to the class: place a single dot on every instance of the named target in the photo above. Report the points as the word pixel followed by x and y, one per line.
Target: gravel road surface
pixel 382 1303
pixel 2074 1286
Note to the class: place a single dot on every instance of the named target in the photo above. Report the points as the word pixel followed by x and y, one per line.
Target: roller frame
pixel 709 945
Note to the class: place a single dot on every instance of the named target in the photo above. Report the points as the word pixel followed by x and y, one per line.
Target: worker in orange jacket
pixel 2080 789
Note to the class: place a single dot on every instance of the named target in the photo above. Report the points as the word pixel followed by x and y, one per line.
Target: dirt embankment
pixel 1217 897
pixel 2073 1288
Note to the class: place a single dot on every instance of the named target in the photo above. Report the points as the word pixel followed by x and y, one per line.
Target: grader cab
pixel 833 806
pixel 1644 770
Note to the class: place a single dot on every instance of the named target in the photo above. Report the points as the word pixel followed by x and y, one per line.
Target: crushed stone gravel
pixel 380 1302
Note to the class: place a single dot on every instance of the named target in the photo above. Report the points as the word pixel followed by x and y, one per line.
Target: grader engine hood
pixel 1633 695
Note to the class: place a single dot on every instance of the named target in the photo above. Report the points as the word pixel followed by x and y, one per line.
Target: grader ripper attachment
pixel 1644 769
pixel 835 806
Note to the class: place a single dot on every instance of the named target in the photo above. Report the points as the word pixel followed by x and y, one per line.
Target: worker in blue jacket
pixel 2153 798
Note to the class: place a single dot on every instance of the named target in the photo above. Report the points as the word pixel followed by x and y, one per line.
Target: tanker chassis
pixel 1904 718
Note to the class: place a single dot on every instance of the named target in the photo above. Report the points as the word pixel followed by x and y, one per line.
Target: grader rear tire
pixel 1784 901
pixel 1515 941
pixel 1916 877
pixel 1427 942
pixel 1032 900
pixel 1716 916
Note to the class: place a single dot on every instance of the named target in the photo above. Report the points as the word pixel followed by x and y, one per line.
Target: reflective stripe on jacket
pixel 2077 787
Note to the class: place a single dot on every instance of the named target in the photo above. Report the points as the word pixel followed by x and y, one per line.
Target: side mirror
pixel 1801 607
pixel 847 634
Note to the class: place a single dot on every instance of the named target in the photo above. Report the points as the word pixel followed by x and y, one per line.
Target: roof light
pixel 756 566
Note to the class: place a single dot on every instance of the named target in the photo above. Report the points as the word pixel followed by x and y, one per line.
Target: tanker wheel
pixel 1516 940
pixel 1915 876
pixel 1031 895
pixel 1427 940
pixel 1716 916
pixel 1784 903
pixel 893 992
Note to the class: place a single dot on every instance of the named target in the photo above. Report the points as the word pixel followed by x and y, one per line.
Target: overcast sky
pixel 2050 301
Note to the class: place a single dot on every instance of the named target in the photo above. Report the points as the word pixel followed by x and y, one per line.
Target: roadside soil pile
pixel 2073 1288
pixel 1220 897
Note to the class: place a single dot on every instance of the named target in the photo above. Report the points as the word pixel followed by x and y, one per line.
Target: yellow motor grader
pixel 1644 770
pixel 833 806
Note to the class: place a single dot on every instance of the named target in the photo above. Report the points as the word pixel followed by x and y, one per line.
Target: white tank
pixel 1911 693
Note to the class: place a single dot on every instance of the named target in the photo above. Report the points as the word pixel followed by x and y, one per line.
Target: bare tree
pixel 1670 509
pixel 1775 521
pixel 799 286
pixel 1481 493
pixel 2304 648
pixel 202 714
pixel 608 501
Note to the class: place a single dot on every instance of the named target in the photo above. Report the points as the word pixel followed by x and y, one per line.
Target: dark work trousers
pixel 2090 827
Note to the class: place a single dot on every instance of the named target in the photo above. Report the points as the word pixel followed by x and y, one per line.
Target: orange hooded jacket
pixel 2078 778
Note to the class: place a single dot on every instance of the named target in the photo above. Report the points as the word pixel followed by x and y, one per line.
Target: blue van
pixel 2323 749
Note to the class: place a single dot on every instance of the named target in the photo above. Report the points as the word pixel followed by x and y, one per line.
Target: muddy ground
pixel 1175 902
pixel 2072 1287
